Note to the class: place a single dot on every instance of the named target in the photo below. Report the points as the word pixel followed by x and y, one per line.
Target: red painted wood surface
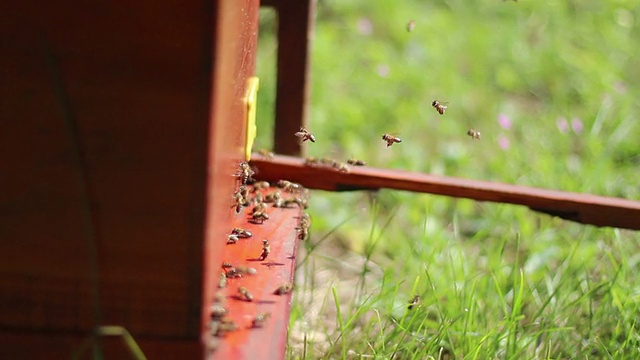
pixel 583 208
pixel 268 341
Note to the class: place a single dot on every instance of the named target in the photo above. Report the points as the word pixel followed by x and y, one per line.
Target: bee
pixel 279 203
pixel 311 161
pixel 300 201
pixel 390 139
pixel 410 25
pixel 284 289
pixel 356 162
pixel 303 232
pixel 289 186
pixel 416 301
pixel 232 273
pixel 259 208
pixel 223 281
pixel 266 154
pixel 259 217
pixel 241 233
pixel 273 196
pixel 261 185
pixel 260 319
pixel 227 265
pixel 266 250
pixel 342 167
pixel 245 172
pixel 225 326
pixel 232 239
pixel 246 270
pixel 218 311
pixel 474 134
pixel 305 135
pixel 246 295
pixel 303 228
pixel 440 107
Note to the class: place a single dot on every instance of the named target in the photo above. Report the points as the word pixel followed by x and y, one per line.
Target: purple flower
pixel 504 121
pixel 562 124
pixel 503 142
pixel 365 26
pixel 383 70
pixel 576 125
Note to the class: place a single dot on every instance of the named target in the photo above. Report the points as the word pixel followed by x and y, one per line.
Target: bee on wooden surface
pixel 246 270
pixel 224 326
pixel 232 239
pixel 227 265
pixel 474 134
pixel 284 289
pixel 303 228
pixel 222 283
pixel 245 172
pixel 241 233
pixel 289 186
pixel 416 301
pixel 232 273
pixel 311 161
pixel 390 139
pixel 303 232
pixel 218 311
pixel 273 196
pixel 259 208
pixel 340 166
pixel 440 107
pixel 260 319
pixel 266 154
pixel 410 25
pixel 356 162
pixel 245 294
pixel 279 203
pixel 300 201
pixel 266 250
pixel 328 162
pixel 259 217
pixel 305 135
pixel 261 185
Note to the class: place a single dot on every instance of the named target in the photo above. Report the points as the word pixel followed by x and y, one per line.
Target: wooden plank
pixel 269 340
pixel 295 31
pixel 582 208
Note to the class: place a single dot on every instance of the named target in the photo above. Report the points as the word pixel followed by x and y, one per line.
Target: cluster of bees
pixel 259 196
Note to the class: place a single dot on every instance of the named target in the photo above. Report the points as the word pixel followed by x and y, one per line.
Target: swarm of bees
pixel 440 107
pixel 474 134
pixel 391 139
pixel 305 135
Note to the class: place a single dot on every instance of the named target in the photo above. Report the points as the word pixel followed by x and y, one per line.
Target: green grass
pixel 497 281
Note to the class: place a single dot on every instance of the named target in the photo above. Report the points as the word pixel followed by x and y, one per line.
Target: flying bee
pixel 356 162
pixel 266 250
pixel 410 25
pixel 390 139
pixel 260 319
pixel 440 107
pixel 284 289
pixel 474 134
pixel 416 301
pixel 245 294
pixel 305 135
pixel 241 233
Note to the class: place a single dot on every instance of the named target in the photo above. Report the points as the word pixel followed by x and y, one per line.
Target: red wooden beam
pixel 582 208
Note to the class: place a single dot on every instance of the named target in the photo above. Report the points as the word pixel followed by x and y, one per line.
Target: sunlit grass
pixel 553 87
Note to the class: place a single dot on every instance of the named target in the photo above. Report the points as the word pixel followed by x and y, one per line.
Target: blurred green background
pixel 553 86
